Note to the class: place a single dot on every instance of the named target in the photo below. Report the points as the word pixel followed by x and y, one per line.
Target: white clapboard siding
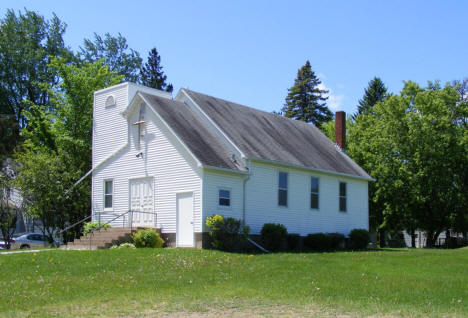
pixel 164 159
pixel 109 127
pixel 212 183
pixel 262 202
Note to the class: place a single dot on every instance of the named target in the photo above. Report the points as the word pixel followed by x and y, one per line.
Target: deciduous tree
pixel 116 54
pixel 57 147
pixel 415 146
pixel 27 42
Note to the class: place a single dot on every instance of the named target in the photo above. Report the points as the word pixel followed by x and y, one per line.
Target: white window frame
pixel 226 207
pixel 318 193
pixel 279 188
pixel 104 195
pixel 341 196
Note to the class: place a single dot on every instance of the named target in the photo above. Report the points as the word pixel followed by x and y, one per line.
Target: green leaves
pixel 27 41
pixel 413 145
pixel 115 53
pixel 57 147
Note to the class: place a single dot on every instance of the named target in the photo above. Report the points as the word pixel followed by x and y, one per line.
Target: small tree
pixel 152 74
pixel 44 180
pixel 306 100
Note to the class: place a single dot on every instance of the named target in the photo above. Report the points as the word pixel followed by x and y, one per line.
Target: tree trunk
pixel 382 238
pixel 431 238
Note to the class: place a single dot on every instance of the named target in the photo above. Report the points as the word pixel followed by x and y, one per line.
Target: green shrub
pixel 294 241
pixel 317 242
pixel 337 240
pixel 228 234
pixel 92 226
pixel 396 239
pixel 273 236
pixel 359 238
pixel 147 238
pixel 324 241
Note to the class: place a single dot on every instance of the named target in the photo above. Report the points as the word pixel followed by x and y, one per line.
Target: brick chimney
pixel 340 129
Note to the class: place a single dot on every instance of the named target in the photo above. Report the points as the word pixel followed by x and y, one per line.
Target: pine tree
pixel 152 74
pixel 374 93
pixel 305 100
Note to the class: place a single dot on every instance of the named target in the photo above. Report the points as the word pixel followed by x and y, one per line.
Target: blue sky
pixel 249 51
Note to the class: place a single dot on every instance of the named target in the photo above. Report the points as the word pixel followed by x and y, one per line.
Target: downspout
pixel 247 177
pixel 243 189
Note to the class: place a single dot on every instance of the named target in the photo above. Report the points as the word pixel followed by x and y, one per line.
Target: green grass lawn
pixel 174 282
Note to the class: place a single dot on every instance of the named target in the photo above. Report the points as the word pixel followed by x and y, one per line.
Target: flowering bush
pixel 92 226
pixel 123 245
pixel 148 238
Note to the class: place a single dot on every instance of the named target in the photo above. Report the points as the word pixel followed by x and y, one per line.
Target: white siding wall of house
pixel 215 181
pixel 298 217
pixel 164 159
pixel 262 200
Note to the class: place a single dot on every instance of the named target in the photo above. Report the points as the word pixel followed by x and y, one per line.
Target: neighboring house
pixel 194 156
pixel 12 197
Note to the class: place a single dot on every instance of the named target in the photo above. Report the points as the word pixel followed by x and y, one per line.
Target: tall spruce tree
pixel 306 101
pixel 374 93
pixel 152 74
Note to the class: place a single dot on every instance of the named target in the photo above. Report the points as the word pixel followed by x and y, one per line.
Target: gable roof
pixel 270 137
pixel 203 144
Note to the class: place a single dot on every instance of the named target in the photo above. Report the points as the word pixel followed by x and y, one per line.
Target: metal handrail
pixel 101 225
pixel 74 224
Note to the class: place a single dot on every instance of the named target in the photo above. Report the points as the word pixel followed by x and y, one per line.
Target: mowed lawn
pixel 177 282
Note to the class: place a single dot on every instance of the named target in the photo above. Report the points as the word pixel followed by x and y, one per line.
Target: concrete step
pixel 109 234
pixel 104 238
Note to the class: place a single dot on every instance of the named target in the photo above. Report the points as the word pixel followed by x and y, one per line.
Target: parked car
pixel 3 243
pixel 29 240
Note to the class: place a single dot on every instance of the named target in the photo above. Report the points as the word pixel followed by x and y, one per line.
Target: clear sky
pixel 249 51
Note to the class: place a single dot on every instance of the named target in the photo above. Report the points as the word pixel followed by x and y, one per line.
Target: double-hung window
pixel 283 189
pixel 342 197
pixel 108 194
pixel 224 197
pixel 314 193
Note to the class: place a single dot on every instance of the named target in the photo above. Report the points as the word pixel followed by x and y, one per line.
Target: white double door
pixel 142 202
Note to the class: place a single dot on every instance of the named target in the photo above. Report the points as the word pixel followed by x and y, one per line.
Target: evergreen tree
pixel 305 100
pixel 374 93
pixel 152 74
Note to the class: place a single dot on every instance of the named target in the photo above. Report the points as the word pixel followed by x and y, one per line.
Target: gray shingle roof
pixel 267 136
pixel 208 149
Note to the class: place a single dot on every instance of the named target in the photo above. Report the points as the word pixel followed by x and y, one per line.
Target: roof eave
pixel 208 167
pixel 334 173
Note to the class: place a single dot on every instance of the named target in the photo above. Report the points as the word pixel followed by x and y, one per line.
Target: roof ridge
pixel 281 117
pixel 271 136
